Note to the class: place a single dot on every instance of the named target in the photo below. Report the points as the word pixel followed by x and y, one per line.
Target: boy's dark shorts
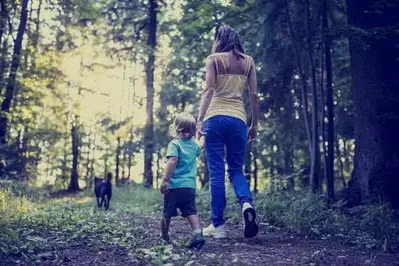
pixel 182 198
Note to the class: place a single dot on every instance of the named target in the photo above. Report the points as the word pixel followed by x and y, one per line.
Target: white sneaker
pixel 250 227
pixel 216 232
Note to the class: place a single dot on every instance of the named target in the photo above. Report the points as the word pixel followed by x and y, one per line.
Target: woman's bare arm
pixel 210 79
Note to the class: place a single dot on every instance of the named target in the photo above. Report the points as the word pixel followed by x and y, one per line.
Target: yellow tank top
pixel 228 95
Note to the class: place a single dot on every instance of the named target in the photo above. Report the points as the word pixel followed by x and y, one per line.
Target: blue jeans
pixel 230 132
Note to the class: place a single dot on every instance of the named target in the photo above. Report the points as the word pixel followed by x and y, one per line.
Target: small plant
pixel 378 222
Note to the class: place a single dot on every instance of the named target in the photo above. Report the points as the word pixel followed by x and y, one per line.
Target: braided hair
pixel 226 39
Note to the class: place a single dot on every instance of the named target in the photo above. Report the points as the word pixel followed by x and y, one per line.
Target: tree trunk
pixel 23 152
pixel 106 163
pixel 346 154
pixel 375 81
pixel 6 104
pixel 149 127
pixel 289 169
pixel 205 177
pixel 159 170
pixel 87 176
pixel 64 164
pixel 330 105
pixel 36 34
pixel 117 164
pixel 3 64
pixel 123 166
pixel 3 19
pixel 74 183
pixel 341 165
pixel 323 105
pixel 272 172
pixel 315 163
pixel 255 173
pixel 304 88
pixel 247 166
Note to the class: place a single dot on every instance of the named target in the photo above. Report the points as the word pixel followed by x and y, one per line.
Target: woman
pixel 222 119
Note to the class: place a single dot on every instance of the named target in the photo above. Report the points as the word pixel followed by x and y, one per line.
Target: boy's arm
pixel 170 167
pixel 172 154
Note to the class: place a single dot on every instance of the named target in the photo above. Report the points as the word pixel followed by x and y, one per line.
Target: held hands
pixel 164 187
pixel 200 130
pixel 252 132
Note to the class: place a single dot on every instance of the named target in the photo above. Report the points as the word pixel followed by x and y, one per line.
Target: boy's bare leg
pixel 165 222
pixel 198 240
pixel 194 222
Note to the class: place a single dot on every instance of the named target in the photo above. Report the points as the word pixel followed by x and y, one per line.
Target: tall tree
pixel 330 103
pixel 117 160
pixel 315 180
pixel 150 65
pixel 74 183
pixel 11 83
pixel 3 19
pixel 374 60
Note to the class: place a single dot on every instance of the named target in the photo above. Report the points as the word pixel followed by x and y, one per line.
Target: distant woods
pixel 77 79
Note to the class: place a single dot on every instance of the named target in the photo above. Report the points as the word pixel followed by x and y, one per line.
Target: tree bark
pixel 205 177
pixel 149 127
pixel 74 183
pixel 117 164
pixel 341 165
pixel 304 88
pixel 6 104
pixel 87 176
pixel 3 64
pixel 255 173
pixel 130 155
pixel 315 163
pixel 3 19
pixel 289 168
pixel 330 105
pixel 247 166
pixel 375 80
pixel 159 171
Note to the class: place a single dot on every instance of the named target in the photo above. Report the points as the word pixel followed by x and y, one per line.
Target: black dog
pixel 103 191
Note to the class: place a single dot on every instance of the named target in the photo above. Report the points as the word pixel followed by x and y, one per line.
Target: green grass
pixel 30 221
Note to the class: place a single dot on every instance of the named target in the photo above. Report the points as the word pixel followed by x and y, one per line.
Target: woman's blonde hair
pixel 184 126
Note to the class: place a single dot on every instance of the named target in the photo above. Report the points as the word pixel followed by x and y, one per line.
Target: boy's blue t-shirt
pixel 185 173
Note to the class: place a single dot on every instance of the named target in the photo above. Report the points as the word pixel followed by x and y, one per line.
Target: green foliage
pixel 378 219
pixel 137 199
pixel 12 205
pixel 302 213
pixel 35 225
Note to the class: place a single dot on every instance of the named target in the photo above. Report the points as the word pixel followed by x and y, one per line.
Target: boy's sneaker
pixel 216 232
pixel 250 228
pixel 197 241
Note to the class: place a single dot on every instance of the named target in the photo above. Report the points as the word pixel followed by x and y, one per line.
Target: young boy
pixel 179 182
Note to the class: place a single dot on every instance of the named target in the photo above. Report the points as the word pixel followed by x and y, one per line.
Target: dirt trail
pixel 271 247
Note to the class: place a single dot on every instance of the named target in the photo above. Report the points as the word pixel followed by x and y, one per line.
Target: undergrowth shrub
pixel 77 216
pixel 300 212
pixel 136 198
pixel 12 205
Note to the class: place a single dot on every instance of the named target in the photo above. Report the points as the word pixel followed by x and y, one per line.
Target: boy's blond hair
pixel 184 126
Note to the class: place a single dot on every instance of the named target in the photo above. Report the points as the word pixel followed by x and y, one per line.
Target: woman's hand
pixel 252 132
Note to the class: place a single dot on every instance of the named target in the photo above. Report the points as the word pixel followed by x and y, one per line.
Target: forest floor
pixel 72 231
